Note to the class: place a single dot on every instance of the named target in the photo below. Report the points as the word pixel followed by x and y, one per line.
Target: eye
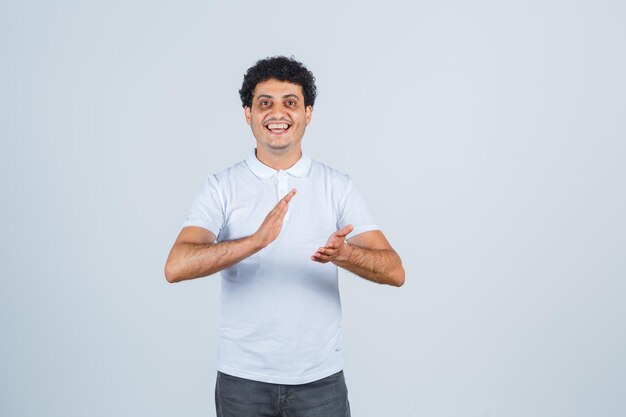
pixel 264 103
pixel 291 103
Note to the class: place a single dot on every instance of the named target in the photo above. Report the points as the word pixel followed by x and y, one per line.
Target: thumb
pixel 345 230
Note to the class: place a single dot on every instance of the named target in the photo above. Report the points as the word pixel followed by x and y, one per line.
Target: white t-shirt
pixel 280 311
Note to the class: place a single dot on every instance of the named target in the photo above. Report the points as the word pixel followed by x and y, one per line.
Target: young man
pixel 277 225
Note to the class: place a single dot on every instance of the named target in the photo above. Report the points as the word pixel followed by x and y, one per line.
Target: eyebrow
pixel 285 96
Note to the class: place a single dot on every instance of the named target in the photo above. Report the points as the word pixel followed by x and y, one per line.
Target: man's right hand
pixel 195 253
pixel 273 223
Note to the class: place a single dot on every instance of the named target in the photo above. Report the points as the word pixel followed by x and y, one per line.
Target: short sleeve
pixel 207 208
pixel 354 211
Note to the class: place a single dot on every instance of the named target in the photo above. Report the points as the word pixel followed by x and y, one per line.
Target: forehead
pixel 276 88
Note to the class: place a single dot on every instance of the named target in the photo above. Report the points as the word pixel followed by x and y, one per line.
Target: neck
pixel 283 160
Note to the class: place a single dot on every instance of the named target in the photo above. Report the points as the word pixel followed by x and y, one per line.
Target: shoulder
pixel 221 184
pixel 328 173
pixel 233 173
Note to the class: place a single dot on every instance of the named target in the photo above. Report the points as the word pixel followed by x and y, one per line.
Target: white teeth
pixel 277 126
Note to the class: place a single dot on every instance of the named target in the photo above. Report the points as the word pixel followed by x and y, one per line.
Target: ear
pixel 246 112
pixel 307 114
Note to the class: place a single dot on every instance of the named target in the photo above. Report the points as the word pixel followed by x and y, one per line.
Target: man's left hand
pixel 336 247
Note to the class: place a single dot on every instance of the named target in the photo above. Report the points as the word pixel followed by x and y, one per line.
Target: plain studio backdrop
pixel 487 137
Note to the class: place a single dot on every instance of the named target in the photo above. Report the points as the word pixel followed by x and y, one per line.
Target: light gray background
pixel 487 137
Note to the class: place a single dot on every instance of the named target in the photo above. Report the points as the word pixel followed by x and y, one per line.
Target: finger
pixel 289 195
pixel 344 231
pixel 319 259
pixel 276 211
pixel 332 245
pixel 326 251
pixel 282 203
pixel 278 207
pixel 282 212
pixel 322 258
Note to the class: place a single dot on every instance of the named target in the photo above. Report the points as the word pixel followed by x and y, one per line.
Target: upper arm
pixel 206 213
pixel 373 239
pixel 195 234
pixel 353 210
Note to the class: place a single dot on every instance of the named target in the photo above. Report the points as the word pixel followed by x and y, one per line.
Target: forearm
pixel 188 260
pixel 382 266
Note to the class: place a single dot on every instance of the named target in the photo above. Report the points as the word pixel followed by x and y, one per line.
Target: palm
pixel 333 246
pixel 334 241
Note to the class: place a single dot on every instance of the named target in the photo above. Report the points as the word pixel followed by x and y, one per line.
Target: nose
pixel 278 111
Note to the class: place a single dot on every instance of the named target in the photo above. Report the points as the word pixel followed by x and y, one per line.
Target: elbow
pixel 398 275
pixel 398 279
pixel 170 273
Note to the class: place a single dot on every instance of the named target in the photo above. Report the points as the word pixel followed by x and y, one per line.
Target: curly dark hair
pixel 280 68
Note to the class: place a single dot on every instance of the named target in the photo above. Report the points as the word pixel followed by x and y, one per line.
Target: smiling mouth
pixel 278 128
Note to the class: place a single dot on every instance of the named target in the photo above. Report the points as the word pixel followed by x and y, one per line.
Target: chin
pixel 279 147
pixel 279 143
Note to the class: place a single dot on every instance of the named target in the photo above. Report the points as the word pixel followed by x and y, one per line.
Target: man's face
pixel 278 116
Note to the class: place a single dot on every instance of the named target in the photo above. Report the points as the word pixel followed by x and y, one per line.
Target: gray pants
pixel 239 397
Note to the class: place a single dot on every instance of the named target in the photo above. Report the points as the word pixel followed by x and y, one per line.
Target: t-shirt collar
pixel 299 169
